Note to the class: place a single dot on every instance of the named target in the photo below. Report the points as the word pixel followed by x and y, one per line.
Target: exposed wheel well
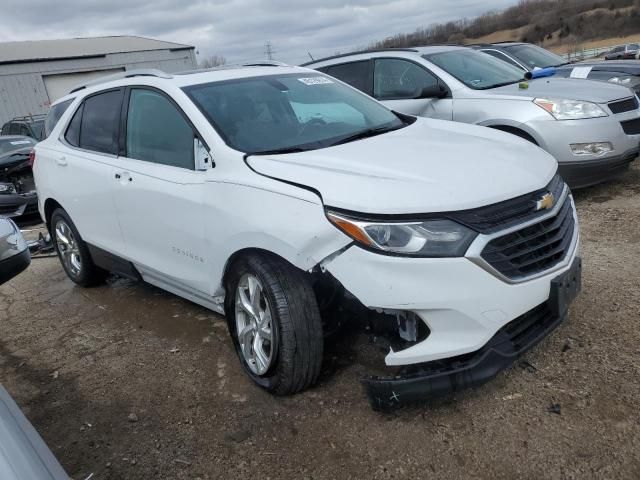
pixel 515 131
pixel 50 206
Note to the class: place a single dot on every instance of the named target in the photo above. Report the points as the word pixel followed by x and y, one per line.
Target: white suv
pixel 243 189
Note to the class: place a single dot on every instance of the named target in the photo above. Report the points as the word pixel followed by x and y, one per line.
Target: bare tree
pixel 213 61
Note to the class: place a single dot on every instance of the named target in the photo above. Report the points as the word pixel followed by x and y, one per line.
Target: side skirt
pixel 113 263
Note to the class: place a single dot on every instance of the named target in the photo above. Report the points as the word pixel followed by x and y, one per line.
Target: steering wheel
pixel 313 121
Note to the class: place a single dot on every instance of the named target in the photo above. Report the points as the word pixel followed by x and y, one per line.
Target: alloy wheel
pixel 253 324
pixel 68 248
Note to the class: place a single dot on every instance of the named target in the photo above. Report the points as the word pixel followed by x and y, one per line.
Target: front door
pixel 159 194
pixel 397 83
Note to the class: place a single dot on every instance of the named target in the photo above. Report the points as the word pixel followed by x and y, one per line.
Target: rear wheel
pixel 275 323
pixel 73 252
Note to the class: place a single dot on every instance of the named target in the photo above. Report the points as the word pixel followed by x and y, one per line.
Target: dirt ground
pixel 125 381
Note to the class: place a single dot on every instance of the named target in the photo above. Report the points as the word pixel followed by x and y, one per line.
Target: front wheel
pixel 275 323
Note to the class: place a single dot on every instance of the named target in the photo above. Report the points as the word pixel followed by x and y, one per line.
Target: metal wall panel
pixel 22 89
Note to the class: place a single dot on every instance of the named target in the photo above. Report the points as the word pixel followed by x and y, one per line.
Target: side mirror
pixel 433 91
pixel 202 156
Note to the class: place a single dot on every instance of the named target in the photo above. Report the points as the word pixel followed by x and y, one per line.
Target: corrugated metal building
pixel 34 74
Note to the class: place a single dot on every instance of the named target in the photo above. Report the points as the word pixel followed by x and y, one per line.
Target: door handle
pixel 62 161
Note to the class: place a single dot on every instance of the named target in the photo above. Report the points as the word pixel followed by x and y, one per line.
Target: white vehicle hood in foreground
pixel 430 166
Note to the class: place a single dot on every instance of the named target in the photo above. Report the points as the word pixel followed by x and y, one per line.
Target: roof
pixel 418 50
pixel 158 78
pixel 41 50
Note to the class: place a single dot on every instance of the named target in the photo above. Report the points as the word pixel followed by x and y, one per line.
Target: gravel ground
pixel 125 381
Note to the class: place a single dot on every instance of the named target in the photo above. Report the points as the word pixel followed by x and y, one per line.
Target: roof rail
pixel 35 116
pixel 373 50
pixel 265 63
pixel 146 72
pixel 229 66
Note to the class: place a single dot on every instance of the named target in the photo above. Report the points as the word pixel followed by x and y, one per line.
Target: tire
pixel 73 251
pixel 294 346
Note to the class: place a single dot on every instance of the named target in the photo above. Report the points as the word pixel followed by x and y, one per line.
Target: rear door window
pixel 101 122
pixel 54 115
pixel 356 74
pixel 157 131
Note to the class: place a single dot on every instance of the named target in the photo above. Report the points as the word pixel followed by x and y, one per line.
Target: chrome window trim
pixel 474 253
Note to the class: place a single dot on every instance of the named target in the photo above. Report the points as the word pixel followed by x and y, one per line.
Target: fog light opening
pixel 595 148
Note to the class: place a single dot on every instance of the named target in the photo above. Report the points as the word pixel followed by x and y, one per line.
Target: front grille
pixel 503 215
pixel 532 249
pixel 622 106
pixel 631 127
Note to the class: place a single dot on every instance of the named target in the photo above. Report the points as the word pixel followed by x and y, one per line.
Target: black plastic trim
pixel 113 263
pixel 14 265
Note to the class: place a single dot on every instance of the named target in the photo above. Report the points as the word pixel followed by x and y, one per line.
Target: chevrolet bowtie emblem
pixel 546 202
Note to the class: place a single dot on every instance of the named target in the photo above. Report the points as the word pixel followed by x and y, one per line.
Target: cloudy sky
pixel 236 29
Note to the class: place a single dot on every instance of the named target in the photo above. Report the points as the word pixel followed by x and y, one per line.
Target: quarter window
pixel 54 115
pixel 157 132
pixel 101 121
pixel 356 74
pixel 72 136
pixel 400 79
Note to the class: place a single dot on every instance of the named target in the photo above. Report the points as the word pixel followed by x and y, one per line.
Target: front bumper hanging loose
pixel 445 377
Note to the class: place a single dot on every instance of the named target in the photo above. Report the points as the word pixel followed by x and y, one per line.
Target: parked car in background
pixel 17 188
pixel 527 57
pixel 623 52
pixel 591 128
pixel 245 189
pixel 14 258
pixel 29 126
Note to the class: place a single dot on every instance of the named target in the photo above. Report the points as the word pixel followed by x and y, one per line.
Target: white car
pixel 243 189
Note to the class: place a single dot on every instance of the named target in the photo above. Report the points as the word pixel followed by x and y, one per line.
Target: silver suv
pixel 591 128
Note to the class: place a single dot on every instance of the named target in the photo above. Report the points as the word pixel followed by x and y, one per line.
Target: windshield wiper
pixel 369 132
pixel 279 151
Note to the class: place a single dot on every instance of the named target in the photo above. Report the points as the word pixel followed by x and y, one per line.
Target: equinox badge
pixel 546 202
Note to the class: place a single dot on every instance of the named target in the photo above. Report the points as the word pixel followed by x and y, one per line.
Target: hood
pixel 566 88
pixel 429 166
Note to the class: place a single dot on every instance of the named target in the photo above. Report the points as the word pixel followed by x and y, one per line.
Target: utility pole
pixel 268 50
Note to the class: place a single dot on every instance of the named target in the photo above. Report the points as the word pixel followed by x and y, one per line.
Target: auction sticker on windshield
pixel 315 80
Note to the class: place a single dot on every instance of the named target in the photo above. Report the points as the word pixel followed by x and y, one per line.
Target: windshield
pixel 38 129
pixel 303 111
pixel 476 69
pixel 533 56
pixel 8 145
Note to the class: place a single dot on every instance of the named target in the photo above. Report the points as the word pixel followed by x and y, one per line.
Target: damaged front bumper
pixel 444 377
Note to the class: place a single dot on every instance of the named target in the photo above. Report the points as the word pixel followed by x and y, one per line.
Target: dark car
pixel 623 52
pixel 527 57
pixel 17 187
pixel 29 126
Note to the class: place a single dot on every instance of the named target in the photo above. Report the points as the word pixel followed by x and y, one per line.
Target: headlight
pixel 570 109
pixel 429 238
pixel 7 188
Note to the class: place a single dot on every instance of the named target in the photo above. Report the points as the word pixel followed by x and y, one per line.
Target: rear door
pixel 79 169
pixel 159 194
pixel 398 82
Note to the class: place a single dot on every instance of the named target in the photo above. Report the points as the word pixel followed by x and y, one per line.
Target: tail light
pixel 32 158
